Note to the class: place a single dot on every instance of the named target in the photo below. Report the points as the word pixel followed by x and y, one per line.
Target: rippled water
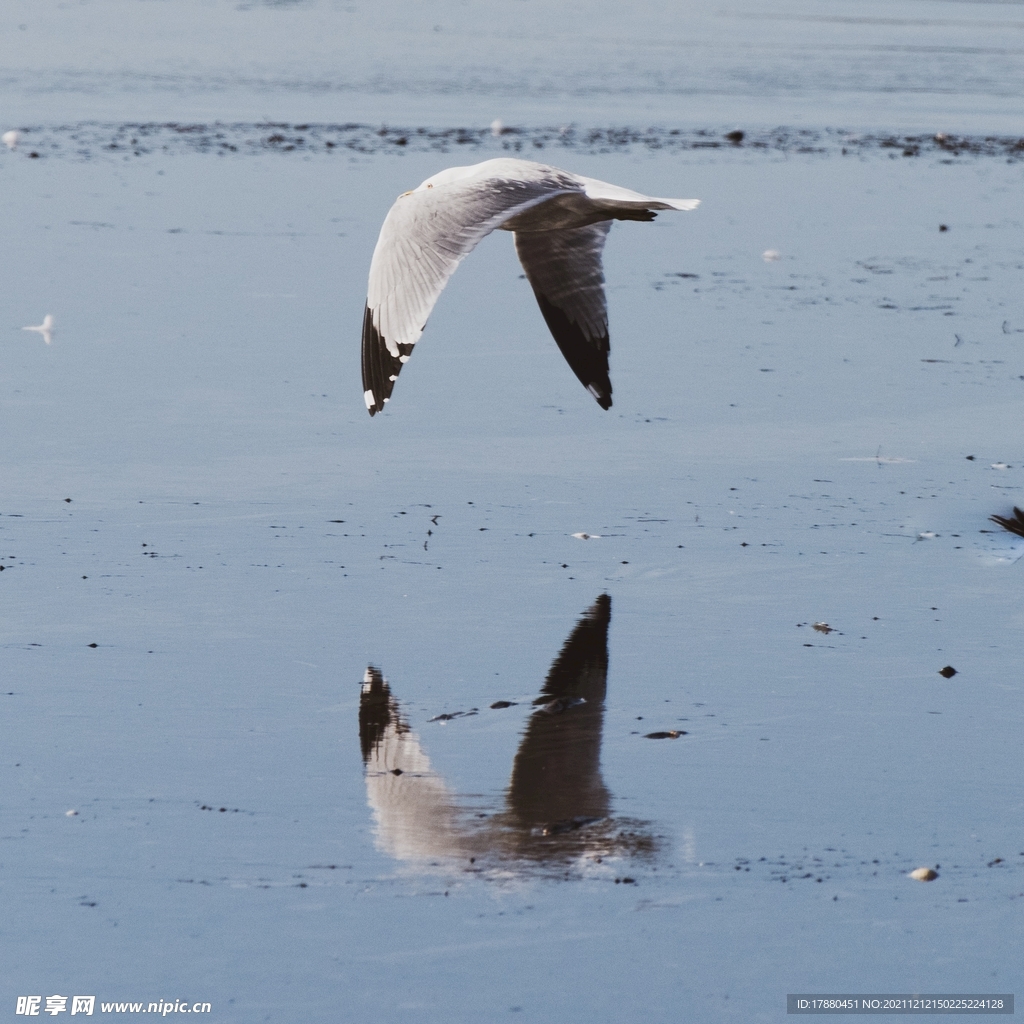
pixel 924 64
pixel 499 703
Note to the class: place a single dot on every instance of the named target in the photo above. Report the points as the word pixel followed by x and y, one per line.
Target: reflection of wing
pixel 581 668
pixel 377 711
pixel 556 776
pixel 564 268
pixel 556 805
pixel 416 814
pixel 425 236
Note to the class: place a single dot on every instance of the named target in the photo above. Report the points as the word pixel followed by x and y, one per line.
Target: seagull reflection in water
pixel 556 808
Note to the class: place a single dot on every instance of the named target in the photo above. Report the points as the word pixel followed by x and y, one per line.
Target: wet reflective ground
pixel 498 704
pixel 790 446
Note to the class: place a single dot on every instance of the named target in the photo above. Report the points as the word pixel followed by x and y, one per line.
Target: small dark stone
pixel 948 672
pixel 93 645
pixel 943 227
pixel 397 771
pixel 672 734
pixel 503 704
pixel 735 137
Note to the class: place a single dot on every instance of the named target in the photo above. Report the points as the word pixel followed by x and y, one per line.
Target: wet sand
pixel 790 444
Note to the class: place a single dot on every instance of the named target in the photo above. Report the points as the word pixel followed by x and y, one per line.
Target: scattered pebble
pixel 672 734
pixel 10 138
pixel 771 255
pixel 923 875
pixel 948 672
pixel 498 704
pixel 587 536
pixel 823 627
pixel 71 813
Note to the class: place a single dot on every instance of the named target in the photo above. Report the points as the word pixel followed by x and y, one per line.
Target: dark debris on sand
pixel 124 141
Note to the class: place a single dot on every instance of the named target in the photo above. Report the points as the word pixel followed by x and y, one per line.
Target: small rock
pixel 923 875
pixel 948 672
pixel 671 734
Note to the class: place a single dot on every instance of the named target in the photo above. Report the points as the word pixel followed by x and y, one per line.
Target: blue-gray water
pixel 814 439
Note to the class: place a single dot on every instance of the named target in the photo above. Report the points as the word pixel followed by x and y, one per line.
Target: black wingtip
pixel 587 357
pixel 380 367
pixel 1014 525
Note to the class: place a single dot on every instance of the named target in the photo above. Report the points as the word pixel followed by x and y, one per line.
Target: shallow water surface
pixel 767 549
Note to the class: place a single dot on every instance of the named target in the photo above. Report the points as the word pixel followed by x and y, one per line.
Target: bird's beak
pixel 404 194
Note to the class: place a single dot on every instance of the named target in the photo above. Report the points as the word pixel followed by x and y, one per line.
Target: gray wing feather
pixel 564 268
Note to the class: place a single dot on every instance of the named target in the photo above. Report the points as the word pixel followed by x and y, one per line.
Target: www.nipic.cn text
pixel 33 1006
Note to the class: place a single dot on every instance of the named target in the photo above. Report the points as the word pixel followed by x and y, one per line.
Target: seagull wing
pixel 425 236
pixel 564 268
pixel 618 200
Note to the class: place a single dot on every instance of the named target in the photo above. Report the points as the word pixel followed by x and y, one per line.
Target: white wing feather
pixel 428 233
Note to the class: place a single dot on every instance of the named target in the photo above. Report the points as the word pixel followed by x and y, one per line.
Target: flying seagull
pixel 560 221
